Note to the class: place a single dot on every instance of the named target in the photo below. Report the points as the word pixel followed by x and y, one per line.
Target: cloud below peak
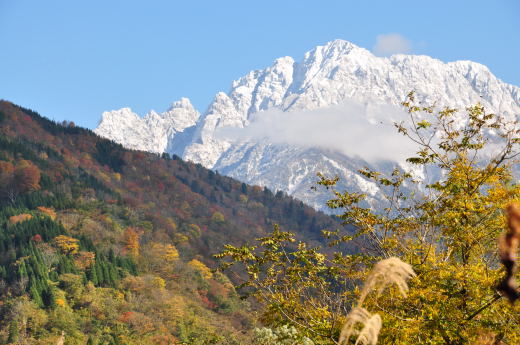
pixel 389 44
pixel 353 128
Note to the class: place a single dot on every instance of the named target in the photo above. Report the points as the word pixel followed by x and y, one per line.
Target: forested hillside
pixel 103 245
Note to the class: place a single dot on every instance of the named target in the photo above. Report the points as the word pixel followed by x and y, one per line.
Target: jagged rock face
pixel 330 75
pixel 152 132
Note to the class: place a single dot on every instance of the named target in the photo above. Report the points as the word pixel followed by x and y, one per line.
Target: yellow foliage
pixel 118 295
pixel 19 218
pixel 159 283
pixel 445 226
pixel 166 252
pixel 180 238
pixel 171 253
pixel 194 230
pixel 171 224
pixel 104 177
pixel 174 307
pixel 217 217
pixel 68 245
pixel 202 268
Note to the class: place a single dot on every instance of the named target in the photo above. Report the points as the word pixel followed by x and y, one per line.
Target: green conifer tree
pixel 35 296
pixel 14 332
pixel 100 274
pixel 92 276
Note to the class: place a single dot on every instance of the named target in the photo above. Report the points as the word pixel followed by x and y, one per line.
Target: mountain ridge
pixel 334 74
pixel 115 246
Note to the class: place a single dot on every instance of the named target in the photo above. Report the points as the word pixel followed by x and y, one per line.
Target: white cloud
pixel 353 128
pixel 389 44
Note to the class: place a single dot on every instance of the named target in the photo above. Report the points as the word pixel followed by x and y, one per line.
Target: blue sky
pixel 74 59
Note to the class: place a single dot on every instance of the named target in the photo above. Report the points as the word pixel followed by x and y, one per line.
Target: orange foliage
pixel 27 176
pixel 165 339
pixel 135 284
pixel 6 179
pixel 6 172
pixel 19 218
pixel 125 317
pixel 218 289
pixel 140 322
pixel 131 238
pixel 48 211
pixel 85 260
pixel 18 179
pixel 203 296
pixel 60 302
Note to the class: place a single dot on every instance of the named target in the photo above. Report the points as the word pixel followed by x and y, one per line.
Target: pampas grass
pixel 391 271
pixel 371 325
pixel 360 323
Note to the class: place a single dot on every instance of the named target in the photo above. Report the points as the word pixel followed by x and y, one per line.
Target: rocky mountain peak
pixel 337 74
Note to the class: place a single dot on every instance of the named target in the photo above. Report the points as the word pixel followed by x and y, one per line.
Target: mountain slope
pixel 337 77
pixel 105 245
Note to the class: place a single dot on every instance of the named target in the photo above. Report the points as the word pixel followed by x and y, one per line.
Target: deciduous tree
pixel 68 245
pixel 131 238
pixel 446 228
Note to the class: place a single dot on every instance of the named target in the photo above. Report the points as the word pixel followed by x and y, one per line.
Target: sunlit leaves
pixel 446 227
pixel 67 244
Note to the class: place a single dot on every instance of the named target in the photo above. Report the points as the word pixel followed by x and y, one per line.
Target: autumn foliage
pixel 434 240
pixel 18 179
pixel 131 238
pixel 113 233
pixel 19 218
pixel 201 268
pixel 47 211
pixel 166 252
pixel 68 245
pixel 84 260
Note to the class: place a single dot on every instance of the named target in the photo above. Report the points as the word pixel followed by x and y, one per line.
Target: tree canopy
pixel 445 225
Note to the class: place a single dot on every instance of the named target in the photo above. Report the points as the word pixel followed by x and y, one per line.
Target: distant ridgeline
pixel 104 245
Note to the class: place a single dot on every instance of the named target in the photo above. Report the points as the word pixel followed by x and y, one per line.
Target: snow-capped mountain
pixel 279 126
pixel 152 132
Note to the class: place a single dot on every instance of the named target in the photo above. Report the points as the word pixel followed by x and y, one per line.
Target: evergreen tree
pixel 35 295
pixel 92 276
pixel 49 298
pixel 14 332
pixel 99 273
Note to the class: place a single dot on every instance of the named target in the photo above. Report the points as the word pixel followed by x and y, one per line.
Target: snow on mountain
pixel 150 133
pixel 284 152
